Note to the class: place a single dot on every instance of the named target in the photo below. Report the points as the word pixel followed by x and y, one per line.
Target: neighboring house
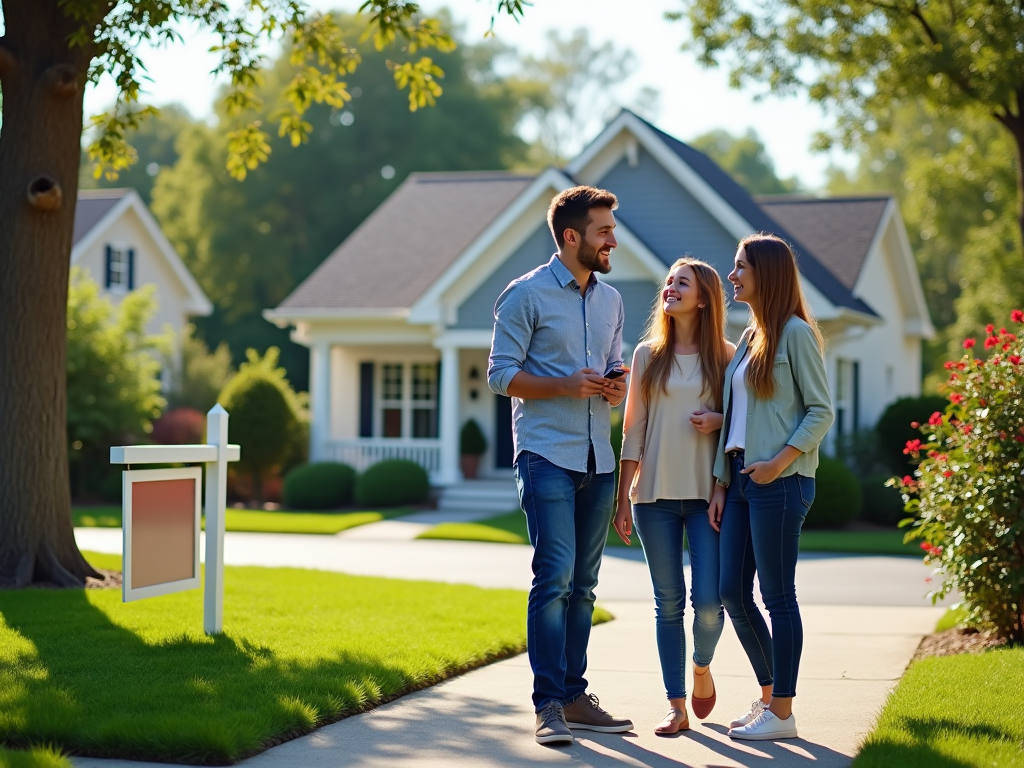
pixel 119 243
pixel 399 318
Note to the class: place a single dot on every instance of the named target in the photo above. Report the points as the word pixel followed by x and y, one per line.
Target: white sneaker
pixel 766 727
pixel 756 708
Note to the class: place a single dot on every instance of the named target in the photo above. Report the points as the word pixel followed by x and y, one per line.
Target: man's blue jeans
pixel 761 533
pixel 568 515
pixel 660 525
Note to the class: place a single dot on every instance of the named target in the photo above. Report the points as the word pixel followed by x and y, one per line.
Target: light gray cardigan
pixel 798 414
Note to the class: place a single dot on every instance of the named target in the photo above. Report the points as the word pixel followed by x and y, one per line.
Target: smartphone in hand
pixel 616 373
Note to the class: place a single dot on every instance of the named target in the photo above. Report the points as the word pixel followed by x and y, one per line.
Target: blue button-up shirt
pixel 545 325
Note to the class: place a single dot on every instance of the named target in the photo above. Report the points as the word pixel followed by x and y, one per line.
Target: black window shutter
pixel 436 426
pixel 856 395
pixel 131 269
pixel 366 399
pixel 110 257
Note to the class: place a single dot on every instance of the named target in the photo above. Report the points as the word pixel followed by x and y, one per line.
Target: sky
pixel 693 100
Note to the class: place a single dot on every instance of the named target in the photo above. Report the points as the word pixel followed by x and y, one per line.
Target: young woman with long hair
pixel 778 410
pixel 673 412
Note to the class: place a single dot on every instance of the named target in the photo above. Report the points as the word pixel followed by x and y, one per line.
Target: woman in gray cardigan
pixel 777 411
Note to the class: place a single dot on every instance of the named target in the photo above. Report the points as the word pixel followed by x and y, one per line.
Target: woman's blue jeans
pixel 761 533
pixel 568 515
pixel 660 525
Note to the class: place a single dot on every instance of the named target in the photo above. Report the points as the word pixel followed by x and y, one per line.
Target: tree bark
pixel 43 83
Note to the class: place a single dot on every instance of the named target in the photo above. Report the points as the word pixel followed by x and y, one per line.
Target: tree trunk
pixel 43 83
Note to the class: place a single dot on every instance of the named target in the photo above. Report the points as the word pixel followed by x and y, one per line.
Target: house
pixel 119 243
pixel 399 318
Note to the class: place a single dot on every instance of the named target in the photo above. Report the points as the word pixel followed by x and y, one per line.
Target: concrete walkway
pixel 863 618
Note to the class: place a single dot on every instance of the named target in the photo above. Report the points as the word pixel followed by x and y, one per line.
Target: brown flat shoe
pixel 674 722
pixel 702 707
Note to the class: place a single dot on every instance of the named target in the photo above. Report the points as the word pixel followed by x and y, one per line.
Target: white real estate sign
pixel 161 518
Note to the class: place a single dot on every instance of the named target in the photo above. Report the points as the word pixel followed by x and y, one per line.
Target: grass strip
pixel 36 757
pixel 258 521
pixel 510 528
pixel 951 618
pixel 93 676
pixel 963 711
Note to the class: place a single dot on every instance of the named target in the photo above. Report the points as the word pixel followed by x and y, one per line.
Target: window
pixel 120 270
pixel 847 386
pixel 408 400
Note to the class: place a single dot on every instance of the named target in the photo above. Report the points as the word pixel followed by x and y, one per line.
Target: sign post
pixel 161 518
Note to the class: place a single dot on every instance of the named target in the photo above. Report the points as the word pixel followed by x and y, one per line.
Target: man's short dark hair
pixel 571 209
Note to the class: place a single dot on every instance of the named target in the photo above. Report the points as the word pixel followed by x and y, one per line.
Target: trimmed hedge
pixel 322 485
pixel 894 428
pixel 882 505
pixel 837 495
pixel 391 483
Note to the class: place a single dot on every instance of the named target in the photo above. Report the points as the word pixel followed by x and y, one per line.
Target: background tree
pixel 250 244
pixel 746 160
pixel 199 375
pixel 113 376
pixel 49 50
pixel 862 57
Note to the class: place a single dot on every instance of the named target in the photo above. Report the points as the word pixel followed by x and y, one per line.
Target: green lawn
pixel 510 528
pixel 258 521
pixel 37 757
pixel 86 674
pixel 964 711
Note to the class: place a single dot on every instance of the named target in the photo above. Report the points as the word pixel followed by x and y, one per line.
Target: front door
pixel 503 447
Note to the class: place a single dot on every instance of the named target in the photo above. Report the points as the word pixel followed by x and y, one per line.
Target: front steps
pixel 485 498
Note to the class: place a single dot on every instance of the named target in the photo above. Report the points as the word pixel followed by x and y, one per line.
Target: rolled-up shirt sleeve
pixel 513 329
pixel 809 372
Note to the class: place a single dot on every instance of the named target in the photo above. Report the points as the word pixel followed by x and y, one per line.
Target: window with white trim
pixel 118 269
pixel 408 398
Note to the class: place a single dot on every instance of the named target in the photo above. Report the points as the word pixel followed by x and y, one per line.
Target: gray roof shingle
pixel 93 205
pixel 408 242
pixel 839 230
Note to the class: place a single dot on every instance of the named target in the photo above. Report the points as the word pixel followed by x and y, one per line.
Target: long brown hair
pixel 779 297
pixel 661 336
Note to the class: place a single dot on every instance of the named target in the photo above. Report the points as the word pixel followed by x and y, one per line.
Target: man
pixel 557 333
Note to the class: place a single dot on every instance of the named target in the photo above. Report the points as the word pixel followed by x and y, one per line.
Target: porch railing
pixel 362 452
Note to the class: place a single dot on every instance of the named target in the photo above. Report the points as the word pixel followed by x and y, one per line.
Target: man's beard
pixel 590 258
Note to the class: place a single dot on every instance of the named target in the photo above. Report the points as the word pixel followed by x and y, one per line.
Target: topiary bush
pixel 471 440
pixel 322 485
pixel 967 493
pixel 883 504
pixel 837 495
pixel 392 482
pixel 894 426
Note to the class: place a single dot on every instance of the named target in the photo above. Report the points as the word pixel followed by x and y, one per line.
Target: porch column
pixel 449 426
pixel 319 400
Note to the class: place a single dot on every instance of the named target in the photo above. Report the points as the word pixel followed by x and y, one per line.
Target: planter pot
pixel 469 465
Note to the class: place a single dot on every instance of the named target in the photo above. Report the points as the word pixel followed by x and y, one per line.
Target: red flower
pixel 1015 359
pixel 913 446
pixel 966 429
pixel 991 341
pixel 948 365
pixel 926 546
pixel 956 398
pixel 915 425
pixel 1006 346
pixel 981 402
pixel 948 473
pixel 1019 438
pixel 961 366
pixel 990 329
pixel 941 458
pixel 1002 435
pixel 935 419
pixel 968 343
pixel 908 480
pixel 954 377
pixel 1017 316
pixel 978 362
pixel 1002 331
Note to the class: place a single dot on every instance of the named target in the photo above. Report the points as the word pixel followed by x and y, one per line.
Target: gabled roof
pixel 839 230
pixel 93 205
pixel 760 220
pixel 406 244
pixel 97 209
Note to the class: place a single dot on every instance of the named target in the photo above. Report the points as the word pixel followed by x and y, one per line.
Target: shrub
pixel 894 426
pixel 261 413
pixel 967 493
pixel 180 426
pixel 882 504
pixel 837 495
pixel 323 485
pixel 471 440
pixel 392 482
pixel 200 375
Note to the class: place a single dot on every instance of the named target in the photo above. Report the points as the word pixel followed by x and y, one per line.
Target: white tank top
pixel 737 437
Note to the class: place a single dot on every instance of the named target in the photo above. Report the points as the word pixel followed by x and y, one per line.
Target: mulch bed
pixel 110 580
pixel 957 640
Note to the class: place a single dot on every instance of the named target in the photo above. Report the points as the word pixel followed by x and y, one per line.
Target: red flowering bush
pixel 967 493
pixel 180 426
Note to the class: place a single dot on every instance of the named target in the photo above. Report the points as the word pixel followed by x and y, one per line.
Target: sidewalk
pixel 863 619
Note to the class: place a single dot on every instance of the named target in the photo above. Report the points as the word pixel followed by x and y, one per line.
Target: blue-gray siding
pixel 665 216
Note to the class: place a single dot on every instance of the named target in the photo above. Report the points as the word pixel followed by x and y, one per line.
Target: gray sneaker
pixel 586 714
pixel 551 727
